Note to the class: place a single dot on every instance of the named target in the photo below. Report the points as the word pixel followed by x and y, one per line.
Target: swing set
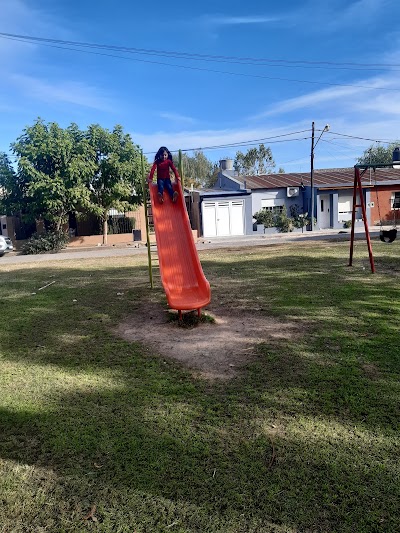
pixel 386 236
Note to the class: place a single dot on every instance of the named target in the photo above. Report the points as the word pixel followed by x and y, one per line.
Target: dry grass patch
pixel 215 349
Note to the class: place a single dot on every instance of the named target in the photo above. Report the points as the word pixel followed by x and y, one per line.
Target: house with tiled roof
pixel 333 193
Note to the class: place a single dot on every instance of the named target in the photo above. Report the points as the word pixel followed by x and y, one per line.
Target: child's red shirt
pixel 163 170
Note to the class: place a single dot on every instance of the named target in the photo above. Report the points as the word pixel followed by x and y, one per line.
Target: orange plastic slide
pixel 183 279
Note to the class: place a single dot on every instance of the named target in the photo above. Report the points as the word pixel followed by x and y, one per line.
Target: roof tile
pixel 331 177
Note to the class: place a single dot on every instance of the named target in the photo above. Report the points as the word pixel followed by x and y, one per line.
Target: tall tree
pixel 11 194
pixel 115 180
pixel 211 178
pixel 51 171
pixel 255 161
pixel 377 154
pixel 198 170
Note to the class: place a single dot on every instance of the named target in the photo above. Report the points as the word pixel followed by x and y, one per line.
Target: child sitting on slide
pixel 163 162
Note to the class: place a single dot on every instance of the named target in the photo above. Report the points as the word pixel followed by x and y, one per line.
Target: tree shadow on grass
pixel 69 325
pixel 190 449
pixel 209 457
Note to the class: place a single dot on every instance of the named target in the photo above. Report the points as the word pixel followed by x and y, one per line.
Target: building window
pixel 276 209
pixel 275 205
pixel 345 203
pixel 395 200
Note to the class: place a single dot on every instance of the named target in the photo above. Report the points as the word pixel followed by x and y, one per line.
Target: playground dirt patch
pixel 211 350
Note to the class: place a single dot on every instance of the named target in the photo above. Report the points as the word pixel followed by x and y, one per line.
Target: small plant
pixel 347 224
pixel 191 319
pixel 41 243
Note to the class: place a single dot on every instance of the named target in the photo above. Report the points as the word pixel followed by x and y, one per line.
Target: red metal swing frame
pixel 358 188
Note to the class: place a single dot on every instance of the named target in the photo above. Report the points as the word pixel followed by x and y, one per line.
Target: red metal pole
pixel 357 185
pixel 353 214
pixel 364 214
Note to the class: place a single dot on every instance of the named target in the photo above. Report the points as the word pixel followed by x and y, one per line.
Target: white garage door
pixel 221 219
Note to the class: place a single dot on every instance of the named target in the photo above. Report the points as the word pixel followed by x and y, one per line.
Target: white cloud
pixel 362 11
pixel 224 20
pixel 71 92
pixel 310 100
pixel 205 138
pixel 378 105
pixel 19 18
pixel 338 15
pixel 332 151
pixel 351 98
pixel 176 117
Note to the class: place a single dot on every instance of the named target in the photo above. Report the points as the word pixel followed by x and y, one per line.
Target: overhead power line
pixel 362 138
pixel 206 57
pixel 83 47
pixel 271 140
pixel 234 145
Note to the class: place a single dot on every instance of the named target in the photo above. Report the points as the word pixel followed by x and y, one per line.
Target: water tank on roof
pixel 396 156
pixel 226 164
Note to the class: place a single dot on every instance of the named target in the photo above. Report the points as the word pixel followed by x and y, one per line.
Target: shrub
pixel 300 220
pixel 45 242
pixel 347 224
pixel 266 217
pixel 283 222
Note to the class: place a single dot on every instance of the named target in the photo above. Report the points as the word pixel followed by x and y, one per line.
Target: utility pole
pixel 313 145
pixel 312 175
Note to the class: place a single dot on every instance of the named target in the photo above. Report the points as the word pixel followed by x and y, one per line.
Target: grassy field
pixel 98 434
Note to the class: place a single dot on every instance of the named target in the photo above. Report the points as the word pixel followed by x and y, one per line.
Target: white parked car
pixel 6 245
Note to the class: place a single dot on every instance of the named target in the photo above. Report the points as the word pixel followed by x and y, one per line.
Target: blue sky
pixel 339 65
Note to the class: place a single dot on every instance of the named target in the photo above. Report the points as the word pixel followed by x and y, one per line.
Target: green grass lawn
pixel 305 439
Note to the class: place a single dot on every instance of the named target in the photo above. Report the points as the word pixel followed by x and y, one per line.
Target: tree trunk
pixel 105 227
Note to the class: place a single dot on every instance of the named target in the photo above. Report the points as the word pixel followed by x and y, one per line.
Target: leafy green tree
pixel 198 170
pixel 377 154
pixel 115 177
pixel 10 192
pixel 66 170
pixel 255 161
pixel 211 178
pixel 50 180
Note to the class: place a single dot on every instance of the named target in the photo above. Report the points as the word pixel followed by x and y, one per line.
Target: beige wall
pixel 97 240
pixel 112 240
pixel 140 219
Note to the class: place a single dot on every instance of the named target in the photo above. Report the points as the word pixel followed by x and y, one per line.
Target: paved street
pixel 203 244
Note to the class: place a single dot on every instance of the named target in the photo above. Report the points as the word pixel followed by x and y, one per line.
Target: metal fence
pixel 120 224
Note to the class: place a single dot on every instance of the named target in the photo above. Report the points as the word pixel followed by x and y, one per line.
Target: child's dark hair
pixel 159 154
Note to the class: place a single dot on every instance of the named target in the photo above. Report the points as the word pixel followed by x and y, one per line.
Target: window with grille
pixel 274 205
pixel 395 200
pixel 276 209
